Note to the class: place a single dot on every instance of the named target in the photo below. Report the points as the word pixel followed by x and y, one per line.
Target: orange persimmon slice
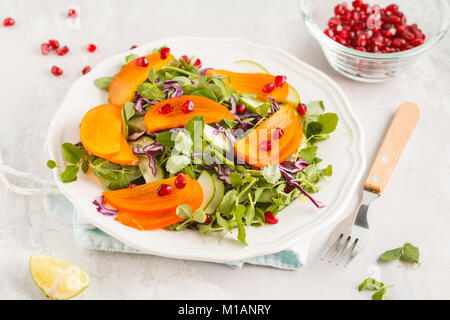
pixel 144 199
pixel 101 133
pixel 251 83
pixel 125 83
pixel 159 220
pixel 251 150
pixel 209 109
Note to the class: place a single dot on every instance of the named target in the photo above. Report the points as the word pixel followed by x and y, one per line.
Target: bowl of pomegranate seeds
pixel 375 41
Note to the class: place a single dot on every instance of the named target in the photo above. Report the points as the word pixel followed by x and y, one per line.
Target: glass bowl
pixel 432 16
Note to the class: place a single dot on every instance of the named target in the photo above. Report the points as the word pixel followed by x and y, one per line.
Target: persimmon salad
pixel 180 146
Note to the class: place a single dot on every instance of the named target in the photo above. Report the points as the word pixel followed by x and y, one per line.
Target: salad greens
pixel 241 193
pixel 408 252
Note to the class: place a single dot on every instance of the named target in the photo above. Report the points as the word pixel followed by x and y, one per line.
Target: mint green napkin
pixel 90 237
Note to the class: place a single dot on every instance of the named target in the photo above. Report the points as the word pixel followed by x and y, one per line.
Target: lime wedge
pixel 58 279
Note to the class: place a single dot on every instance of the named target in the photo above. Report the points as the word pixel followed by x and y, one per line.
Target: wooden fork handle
pixel 394 142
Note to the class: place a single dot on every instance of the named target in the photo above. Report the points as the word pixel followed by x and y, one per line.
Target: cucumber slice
pixel 136 124
pixel 249 67
pixel 218 195
pixel 252 105
pixel 293 96
pixel 219 141
pixel 208 187
pixel 143 162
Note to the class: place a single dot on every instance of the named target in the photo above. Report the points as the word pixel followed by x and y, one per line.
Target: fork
pixel 351 235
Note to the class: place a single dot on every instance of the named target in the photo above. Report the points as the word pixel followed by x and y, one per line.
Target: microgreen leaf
pixel 391 255
pixel 165 139
pixel 235 179
pixel 228 202
pixel 72 153
pixel 51 164
pixel 199 216
pixel 379 294
pixel 411 253
pixel 329 122
pixel 238 213
pixel 184 211
pixel 103 83
pixel 70 174
pixel 131 57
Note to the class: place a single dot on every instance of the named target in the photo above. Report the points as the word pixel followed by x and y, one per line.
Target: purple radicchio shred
pixel 294 167
pixel 148 151
pixel 139 103
pixel 103 209
pixel 227 133
pixel 203 71
pixel 250 115
pixel 136 135
pixel 224 174
pixel 291 180
pixel 176 86
pixel 78 144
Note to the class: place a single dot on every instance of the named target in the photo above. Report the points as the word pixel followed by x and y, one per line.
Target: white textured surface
pixel 415 205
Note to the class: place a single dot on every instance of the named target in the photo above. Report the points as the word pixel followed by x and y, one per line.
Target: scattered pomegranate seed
pixel 54 44
pixel 240 108
pixel 180 181
pixel 131 185
pixel 164 190
pixel 278 134
pixel 270 218
pixel 91 47
pixel 279 81
pixel 372 28
pixel 141 62
pixel 133 47
pixel 164 53
pixel 86 69
pixel 9 22
pixel 302 109
pixel 268 88
pixel 186 58
pixel 57 71
pixel 165 109
pixel 208 219
pixel 72 13
pixel 45 49
pixel 62 51
pixel 188 106
pixel 266 145
pixel 198 63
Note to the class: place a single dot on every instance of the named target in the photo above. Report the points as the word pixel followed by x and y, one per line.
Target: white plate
pixel 300 220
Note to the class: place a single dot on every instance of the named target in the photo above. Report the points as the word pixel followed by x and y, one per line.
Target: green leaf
pixel 370 284
pixel 131 57
pixel 379 294
pixel 308 154
pixel 195 126
pixel 228 202
pixel 328 171
pixel 313 128
pixel 235 179
pixel 183 143
pixel 103 83
pixel 72 153
pixel 121 181
pixel 329 122
pixel 411 253
pixel 184 211
pixel 51 164
pixel 70 174
pixel 150 91
pixel 166 139
pixel 199 216
pixel 249 215
pixel 239 212
pixel 228 124
pixel 271 173
pixel 152 76
pixel 205 92
pixel 177 163
pixel 85 166
pixel 391 255
pixel 128 111
pixel 315 107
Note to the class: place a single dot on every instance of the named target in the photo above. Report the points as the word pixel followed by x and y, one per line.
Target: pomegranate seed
pixel 268 88
pixel 270 218
pixel 165 109
pixel 334 22
pixel 133 47
pixel 54 44
pixel 361 49
pixel 56 71
pixel 45 49
pixel 240 108
pixel 186 58
pixel 9 22
pixel 72 13
pixel 131 185
pixel 395 19
pixel 164 190
pixel 401 28
pixel 279 81
pixel 180 181
pixel 341 41
pixel 417 42
pixel 392 8
pixel 302 109
pixel 408 36
pixel 164 53
pixel 208 219
pixel 288 189
pixel 278 134
pixel 398 43
pixel 340 9
pixel 62 51
pixel 91 47
pixel 198 63
pixel 86 69
pixel 188 106
pixel 141 62
pixel 329 33
pixel 357 3
pixel 358 26
pixel 266 145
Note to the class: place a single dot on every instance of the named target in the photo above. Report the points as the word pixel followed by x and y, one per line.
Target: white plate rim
pixel 248 251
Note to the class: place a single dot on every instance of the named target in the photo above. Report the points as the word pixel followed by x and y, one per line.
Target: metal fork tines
pixel 351 235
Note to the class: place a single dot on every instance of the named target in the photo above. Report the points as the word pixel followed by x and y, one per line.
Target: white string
pixel 21 190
